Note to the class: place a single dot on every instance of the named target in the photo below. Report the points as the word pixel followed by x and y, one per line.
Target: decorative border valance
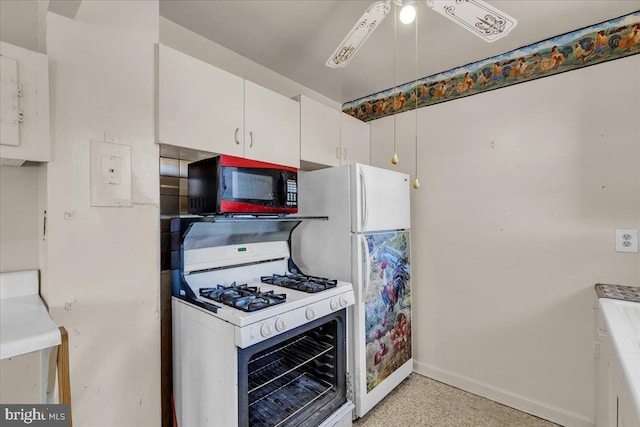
pixel 613 39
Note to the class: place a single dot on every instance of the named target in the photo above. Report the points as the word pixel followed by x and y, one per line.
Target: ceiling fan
pixel 476 16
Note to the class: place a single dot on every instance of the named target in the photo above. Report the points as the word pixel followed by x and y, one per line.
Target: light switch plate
pixel 110 174
pixel 626 240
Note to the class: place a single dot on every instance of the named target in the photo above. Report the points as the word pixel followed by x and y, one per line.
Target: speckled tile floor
pixel 421 401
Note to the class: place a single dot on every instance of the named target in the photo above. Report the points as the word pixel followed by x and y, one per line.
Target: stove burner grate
pixel 300 282
pixel 243 297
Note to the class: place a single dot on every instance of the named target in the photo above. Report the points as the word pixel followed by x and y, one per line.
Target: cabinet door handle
pixel 236 136
pixel 345 154
pixel 250 139
pixel 338 152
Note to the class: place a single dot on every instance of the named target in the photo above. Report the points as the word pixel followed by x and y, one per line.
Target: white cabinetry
pixel 199 105
pixel 319 133
pixel 614 405
pixel 272 126
pixel 24 109
pixel 605 401
pixel 205 108
pixel 329 137
pixel 355 136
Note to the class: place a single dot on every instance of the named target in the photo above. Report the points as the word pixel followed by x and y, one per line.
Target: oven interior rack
pixel 271 366
pixel 285 380
pixel 291 394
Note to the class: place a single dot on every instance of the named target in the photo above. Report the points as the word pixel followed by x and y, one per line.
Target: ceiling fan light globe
pixel 408 14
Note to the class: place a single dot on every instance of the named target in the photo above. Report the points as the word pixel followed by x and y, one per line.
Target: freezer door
pixel 381 327
pixel 380 199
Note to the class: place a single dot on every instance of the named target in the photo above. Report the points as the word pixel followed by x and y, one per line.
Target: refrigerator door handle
pixel 363 201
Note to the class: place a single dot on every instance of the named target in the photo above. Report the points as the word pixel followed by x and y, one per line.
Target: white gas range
pixel 246 352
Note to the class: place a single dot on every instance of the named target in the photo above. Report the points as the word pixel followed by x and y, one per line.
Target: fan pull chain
pixel 394 159
pixel 416 183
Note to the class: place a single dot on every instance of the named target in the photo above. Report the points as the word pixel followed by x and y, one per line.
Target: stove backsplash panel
pixel 174 194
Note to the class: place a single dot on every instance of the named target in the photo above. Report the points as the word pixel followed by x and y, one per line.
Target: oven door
pixel 296 378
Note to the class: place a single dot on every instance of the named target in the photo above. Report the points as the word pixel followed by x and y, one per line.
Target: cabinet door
pixel 319 133
pixel 199 106
pixel 627 416
pixel 272 126
pixel 10 108
pixel 25 104
pixel 605 398
pixel 355 138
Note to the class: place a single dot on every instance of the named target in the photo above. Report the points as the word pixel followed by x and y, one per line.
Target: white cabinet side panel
pixel 324 247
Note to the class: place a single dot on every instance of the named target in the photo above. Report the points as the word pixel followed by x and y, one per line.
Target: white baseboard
pixel 522 403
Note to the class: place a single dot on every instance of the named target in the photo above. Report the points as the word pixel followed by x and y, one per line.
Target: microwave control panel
pixel 292 193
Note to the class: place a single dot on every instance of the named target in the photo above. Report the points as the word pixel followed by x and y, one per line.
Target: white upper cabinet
pixel 199 106
pixel 24 109
pixel 355 138
pixel 329 137
pixel 272 126
pixel 319 133
pixel 205 108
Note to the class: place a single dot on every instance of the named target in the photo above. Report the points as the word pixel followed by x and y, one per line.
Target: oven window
pixel 296 382
pixel 251 186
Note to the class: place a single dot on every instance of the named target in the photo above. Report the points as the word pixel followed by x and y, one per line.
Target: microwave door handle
pixel 281 190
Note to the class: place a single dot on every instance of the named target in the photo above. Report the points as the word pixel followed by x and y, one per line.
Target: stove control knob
pixel 266 330
pixel 280 324
pixel 310 314
pixel 344 301
pixel 335 304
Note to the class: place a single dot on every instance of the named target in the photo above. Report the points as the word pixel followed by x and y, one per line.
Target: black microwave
pixel 228 185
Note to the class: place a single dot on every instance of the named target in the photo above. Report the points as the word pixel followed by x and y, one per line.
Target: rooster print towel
pixel 387 301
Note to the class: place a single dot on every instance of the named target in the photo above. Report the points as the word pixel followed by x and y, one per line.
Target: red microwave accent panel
pixel 240 162
pixel 227 206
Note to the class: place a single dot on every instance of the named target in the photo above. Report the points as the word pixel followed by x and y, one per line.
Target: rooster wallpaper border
pixel 595 44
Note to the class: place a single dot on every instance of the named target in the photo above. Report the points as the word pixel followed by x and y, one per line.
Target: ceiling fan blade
pixel 482 19
pixel 368 22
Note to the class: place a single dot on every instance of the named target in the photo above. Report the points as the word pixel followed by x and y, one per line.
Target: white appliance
pixel 281 365
pixel 365 241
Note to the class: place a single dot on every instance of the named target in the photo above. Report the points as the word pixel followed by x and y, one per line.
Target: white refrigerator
pixel 365 241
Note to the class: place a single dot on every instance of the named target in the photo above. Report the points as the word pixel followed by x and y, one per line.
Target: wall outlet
pixel 626 240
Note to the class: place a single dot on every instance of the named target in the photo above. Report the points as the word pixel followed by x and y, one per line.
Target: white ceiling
pixel 295 37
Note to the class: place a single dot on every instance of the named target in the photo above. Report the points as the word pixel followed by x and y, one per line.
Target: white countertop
pixel 25 324
pixel 623 323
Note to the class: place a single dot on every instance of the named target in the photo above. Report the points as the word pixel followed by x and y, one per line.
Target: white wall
pixel 522 189
pixel 20 235
pixel 21 23
pixel 20 227
pixel 21 218
pixel 184 40
pixel 101 273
